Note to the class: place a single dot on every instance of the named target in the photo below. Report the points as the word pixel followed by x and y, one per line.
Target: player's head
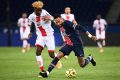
pixel 67 10
pixel 58 20
pixel 37 5
pixel 98 16
pixel 24 15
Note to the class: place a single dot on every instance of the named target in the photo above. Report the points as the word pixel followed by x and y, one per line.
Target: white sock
pixel 47 72
pixel 39 60
pixel 103 42
pixel 99 44
pixel 25 43
pixel 90 58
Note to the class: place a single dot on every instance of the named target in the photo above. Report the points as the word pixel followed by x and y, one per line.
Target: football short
pixel 24 33
pixel 100 35
pixel 46 40
pixel 78 50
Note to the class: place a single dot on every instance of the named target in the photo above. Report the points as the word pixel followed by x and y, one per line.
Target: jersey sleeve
pixel 105 22
pixel 74 26
pixel 80 28
pixel 18 23
pixel 47 14
pixel 30 20
pixel 73 17
pixel 94 24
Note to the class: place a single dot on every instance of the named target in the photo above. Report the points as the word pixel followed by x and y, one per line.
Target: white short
pixel 100 34
pixel 46 40
pixel 24 33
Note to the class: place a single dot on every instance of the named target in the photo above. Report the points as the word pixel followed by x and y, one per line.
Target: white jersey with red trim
pixel 69 17
pixel 24 28
pixel 100 28
pixel 43 28
pixel 99 24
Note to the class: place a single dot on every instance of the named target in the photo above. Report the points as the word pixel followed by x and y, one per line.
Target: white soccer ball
pixel 71 73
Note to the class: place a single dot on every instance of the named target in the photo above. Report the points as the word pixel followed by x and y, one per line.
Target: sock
pixel 99 44
pixel 87 60
pixel 40 62
pixel 25 43
pixel 103 42
pixel 52 65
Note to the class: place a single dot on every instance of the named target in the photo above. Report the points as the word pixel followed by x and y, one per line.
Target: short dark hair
pixel 57 16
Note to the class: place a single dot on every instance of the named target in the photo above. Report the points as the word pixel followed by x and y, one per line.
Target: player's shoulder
pixel 103 19
pixel 19 19
pixel 31 15
pixel 95 21
pixel 72 14
pixel 44 11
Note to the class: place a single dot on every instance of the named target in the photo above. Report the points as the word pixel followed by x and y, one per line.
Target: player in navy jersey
pixel 73 43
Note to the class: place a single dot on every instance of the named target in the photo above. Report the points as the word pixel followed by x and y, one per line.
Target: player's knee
pixel 60 55
pixel 39 50
pixel 52 55
pixel 82 64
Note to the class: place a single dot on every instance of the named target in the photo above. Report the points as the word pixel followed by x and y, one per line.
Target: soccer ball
pixel 71 73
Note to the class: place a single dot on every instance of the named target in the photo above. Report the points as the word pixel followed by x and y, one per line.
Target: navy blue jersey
pixel 71 30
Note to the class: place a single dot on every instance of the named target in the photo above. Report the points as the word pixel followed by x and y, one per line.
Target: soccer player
pixel 70 17
pixel 73 43
pixel 100 25
pixel 42 20
pixel 24 31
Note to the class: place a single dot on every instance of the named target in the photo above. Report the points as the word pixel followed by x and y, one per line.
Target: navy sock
pixel 87 60
pixel 53 63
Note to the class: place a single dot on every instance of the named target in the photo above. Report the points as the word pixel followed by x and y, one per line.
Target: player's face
pixel 58 22
pixel 98 17
pixel 38 11
pixel 67 10
pixel 24 15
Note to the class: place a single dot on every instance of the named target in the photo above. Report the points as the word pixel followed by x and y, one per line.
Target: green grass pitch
pixel 15 65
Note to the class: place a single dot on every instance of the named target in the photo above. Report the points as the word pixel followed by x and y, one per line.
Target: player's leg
pixel 50 43
pixel 22 35
pixel 27 33
pixel 39 47
pixel 65 50
pixel 98 35
pixel 79 52
pixel 25 38
pixel 103 38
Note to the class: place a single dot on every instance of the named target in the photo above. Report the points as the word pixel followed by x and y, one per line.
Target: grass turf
pixel 15 65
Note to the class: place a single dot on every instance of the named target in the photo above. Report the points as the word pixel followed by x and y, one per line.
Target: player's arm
pixel 31 25
pixel 94 25
pixel 18 23
pixel 74 21
pixel 106 25
pixel 79 27
pixel 47 16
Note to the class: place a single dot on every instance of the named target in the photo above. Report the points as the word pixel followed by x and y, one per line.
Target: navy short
pixel 78 50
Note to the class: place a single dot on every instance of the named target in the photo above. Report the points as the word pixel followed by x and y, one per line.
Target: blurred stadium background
pixel 17 66
pixel 85 12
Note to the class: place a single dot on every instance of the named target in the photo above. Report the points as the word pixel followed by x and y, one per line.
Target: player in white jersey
pixel 24 31
pixel 100 25
pixel 68 16
pixel 45 33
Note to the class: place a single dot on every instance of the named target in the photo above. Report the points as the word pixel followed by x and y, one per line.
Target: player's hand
pixel 94 38
pixel 30 35
pixel 46 18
